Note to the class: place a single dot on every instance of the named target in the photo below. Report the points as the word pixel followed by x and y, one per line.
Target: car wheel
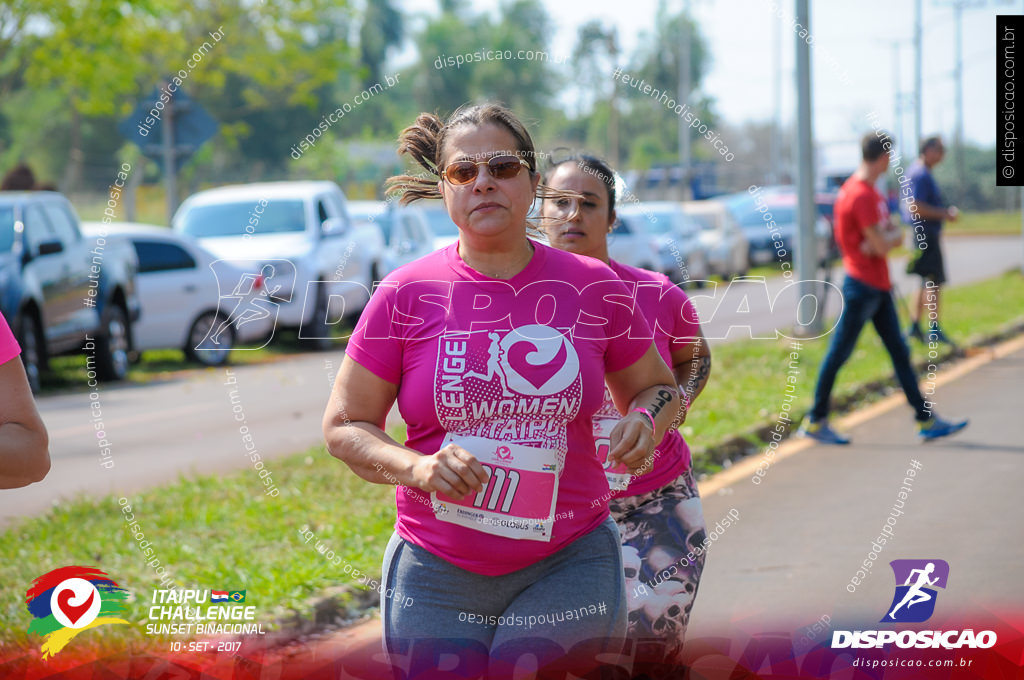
pixel 742 264
pixel 201 347
pixel 699 266
pixel 112 345
pixel 319 331
pixel 32 352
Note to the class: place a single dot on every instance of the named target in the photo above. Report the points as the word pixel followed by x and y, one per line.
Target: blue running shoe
pixel 935 334
pixel 914 331
pixel 935 427
pixel 821 432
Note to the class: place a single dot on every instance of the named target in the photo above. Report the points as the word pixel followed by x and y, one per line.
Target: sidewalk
pixel 807 528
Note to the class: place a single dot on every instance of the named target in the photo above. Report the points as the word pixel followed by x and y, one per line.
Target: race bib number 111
pixel 519 498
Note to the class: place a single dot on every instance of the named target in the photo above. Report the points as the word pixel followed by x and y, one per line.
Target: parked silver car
pixel 407 234
pixel 445 231
pixel 322 265
pixel 663 227
pixel 724 242
pixel 179 289
pixel 774 211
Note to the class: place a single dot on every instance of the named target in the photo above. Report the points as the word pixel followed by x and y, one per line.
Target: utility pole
pixel 958 82
pixel 917 74
pixel 613 113
pixel 806 246
pixel 169 158
pixel 775 147
pixel 683 96
pixel 896 96
pixel 898 100
pixel 958 75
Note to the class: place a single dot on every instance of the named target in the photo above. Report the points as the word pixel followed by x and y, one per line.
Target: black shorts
pixel 927 262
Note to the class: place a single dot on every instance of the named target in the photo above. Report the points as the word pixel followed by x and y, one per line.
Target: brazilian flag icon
pixel 237 596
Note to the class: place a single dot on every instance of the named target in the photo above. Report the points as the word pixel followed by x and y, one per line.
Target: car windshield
pixel 440 223
pixel 783 214
pixel 706 221
pixel 747 215
pixel 236 219
pixel 367 213
pixel 372 214
pixel 654 222
pixel 6 228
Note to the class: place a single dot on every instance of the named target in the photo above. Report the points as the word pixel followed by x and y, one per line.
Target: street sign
pixel 168 127
pixel 192 125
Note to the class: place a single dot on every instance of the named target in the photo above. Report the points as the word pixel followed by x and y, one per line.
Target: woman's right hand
pixel 453 471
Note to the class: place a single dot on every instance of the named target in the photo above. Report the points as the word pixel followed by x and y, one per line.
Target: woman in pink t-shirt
pixel 659 512
pixel 496 349
pixel 24 446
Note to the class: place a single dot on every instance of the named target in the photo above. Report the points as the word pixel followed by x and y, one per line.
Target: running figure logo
pixel 916 580
pixel 257 289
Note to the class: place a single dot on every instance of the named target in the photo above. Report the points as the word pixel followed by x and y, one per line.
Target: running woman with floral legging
pixel 658 511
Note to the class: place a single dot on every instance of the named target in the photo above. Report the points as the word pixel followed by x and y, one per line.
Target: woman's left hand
pixel 632 442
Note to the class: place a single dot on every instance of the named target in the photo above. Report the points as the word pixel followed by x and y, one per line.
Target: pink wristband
pixel 647 413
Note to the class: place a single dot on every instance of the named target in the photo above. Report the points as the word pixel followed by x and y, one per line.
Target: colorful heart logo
pixel 535 374
pixel 73 612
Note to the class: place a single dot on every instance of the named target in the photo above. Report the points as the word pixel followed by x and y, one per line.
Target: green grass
pixel 214 532
pixel 150 206
pixel 222 532
pixel 985 223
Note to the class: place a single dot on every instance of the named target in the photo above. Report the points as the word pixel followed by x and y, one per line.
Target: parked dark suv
pixel 62 292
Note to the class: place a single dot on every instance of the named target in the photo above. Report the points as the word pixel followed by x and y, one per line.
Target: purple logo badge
pixel 916 581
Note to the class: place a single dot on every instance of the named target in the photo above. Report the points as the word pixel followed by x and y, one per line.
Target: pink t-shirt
pixel 8 345
pixel 674 319
pixel 515 370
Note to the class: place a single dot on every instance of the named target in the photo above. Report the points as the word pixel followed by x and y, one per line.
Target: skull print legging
pixel 659 529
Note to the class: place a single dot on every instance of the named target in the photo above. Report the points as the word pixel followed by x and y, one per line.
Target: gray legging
pixel 575 595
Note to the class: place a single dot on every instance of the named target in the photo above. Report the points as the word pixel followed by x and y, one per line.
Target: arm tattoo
pixel 662 397
pixel 695 380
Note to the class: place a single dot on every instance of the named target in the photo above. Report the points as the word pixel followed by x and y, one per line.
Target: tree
pixel 657 61
pixel 593 59
pixel 102 56
pixel 382 29
pixel 524 84
pixel 439 86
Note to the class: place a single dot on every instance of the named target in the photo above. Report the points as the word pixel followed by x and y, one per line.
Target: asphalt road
pixel 187 425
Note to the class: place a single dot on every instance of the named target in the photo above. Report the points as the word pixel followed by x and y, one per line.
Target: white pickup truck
pixel 319 265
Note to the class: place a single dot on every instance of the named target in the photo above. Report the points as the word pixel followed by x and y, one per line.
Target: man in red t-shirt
pixel 865 235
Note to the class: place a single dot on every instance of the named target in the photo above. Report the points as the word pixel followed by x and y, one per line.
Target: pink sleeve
pixel 377 344
pixel 626 348
pixel 8 345
pixel 685 323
